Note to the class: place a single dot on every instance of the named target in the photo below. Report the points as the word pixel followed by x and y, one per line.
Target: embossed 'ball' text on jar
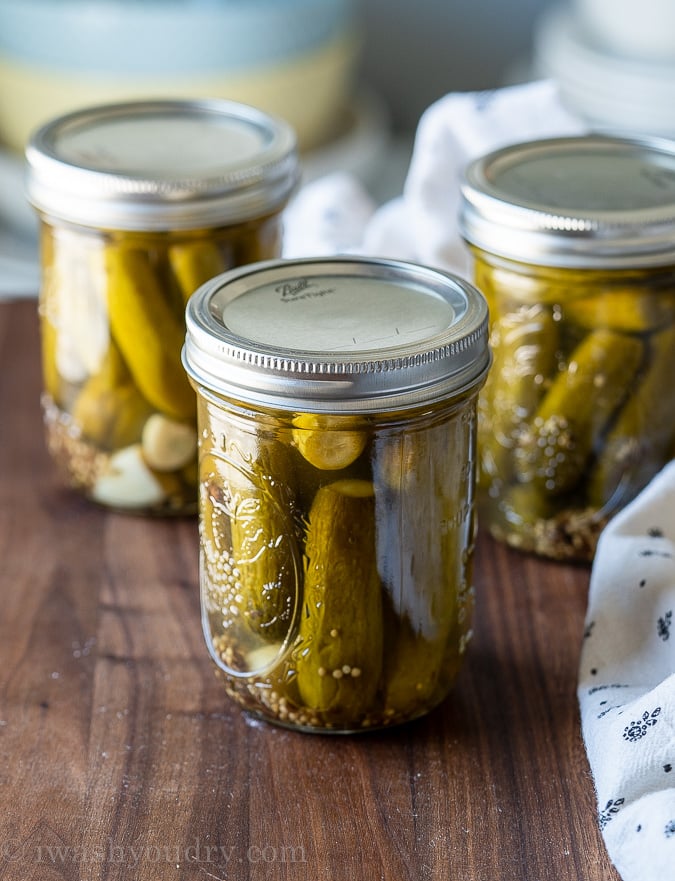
pixel 337 412
pixel 573 242
pixel 139 204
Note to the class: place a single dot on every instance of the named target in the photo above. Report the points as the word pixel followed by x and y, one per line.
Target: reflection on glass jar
pixel 337 502
pixel 577 414
pixel 129 229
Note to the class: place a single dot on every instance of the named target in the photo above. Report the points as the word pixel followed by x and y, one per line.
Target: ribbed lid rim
pixel 496 217
pixel 369 378
pixel 64 182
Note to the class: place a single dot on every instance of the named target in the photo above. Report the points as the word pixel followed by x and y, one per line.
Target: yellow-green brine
pixel 139 204
pixel 337 431
pixel 573 245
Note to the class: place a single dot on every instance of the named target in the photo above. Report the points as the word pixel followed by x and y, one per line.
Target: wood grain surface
pixel 121 757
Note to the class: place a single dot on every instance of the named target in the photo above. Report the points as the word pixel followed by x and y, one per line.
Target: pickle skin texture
pixel 525 504
pixel 554 451
pixel 339 663
pixel 109 409
pixel 413 667
pixel 422 478
pixel 261 548
pixel 524 345
pixel 250 525
pixel 148 333
pixel 51 377
pixel 638 444
pixel 630 311
pixel 194 263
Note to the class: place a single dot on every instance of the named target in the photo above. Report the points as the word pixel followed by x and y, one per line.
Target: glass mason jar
pixel 337 409
pixel 140 203
pixel 573 242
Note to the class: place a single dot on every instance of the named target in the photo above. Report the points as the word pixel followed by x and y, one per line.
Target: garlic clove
pixel 128 482
pixel 167 444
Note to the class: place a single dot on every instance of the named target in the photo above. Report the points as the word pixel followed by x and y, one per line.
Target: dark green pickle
pixel 578 414
pixel 341 629
pixel 573 245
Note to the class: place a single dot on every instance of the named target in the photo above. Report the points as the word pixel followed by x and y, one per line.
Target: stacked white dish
pixel 614 62
pixel 642 30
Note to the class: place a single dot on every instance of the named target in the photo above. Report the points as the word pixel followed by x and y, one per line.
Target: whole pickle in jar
pixel 339 662
pixel 412 667
pixel 420 478
pixel 109 409
pixel 249 549
pixel 506 287
pixel 524 344
pixel 149 333
pixel 194 262
pixel 255 240
pixel 638 443
pixel 574 414
pixel 627 309
pixel 51 378
pixel 47 310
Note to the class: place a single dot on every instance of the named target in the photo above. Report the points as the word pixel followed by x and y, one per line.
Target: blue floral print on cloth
pixel 627 683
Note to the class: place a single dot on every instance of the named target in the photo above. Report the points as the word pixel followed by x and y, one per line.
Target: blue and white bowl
pixel 293 58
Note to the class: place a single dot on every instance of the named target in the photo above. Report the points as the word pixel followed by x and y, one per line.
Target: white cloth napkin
pixel 627 683
pixel 334 214
pixel 627 673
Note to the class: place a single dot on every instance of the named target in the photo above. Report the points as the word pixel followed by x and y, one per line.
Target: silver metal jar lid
pixel 586 202
pixel 158 165
pixel 338 334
